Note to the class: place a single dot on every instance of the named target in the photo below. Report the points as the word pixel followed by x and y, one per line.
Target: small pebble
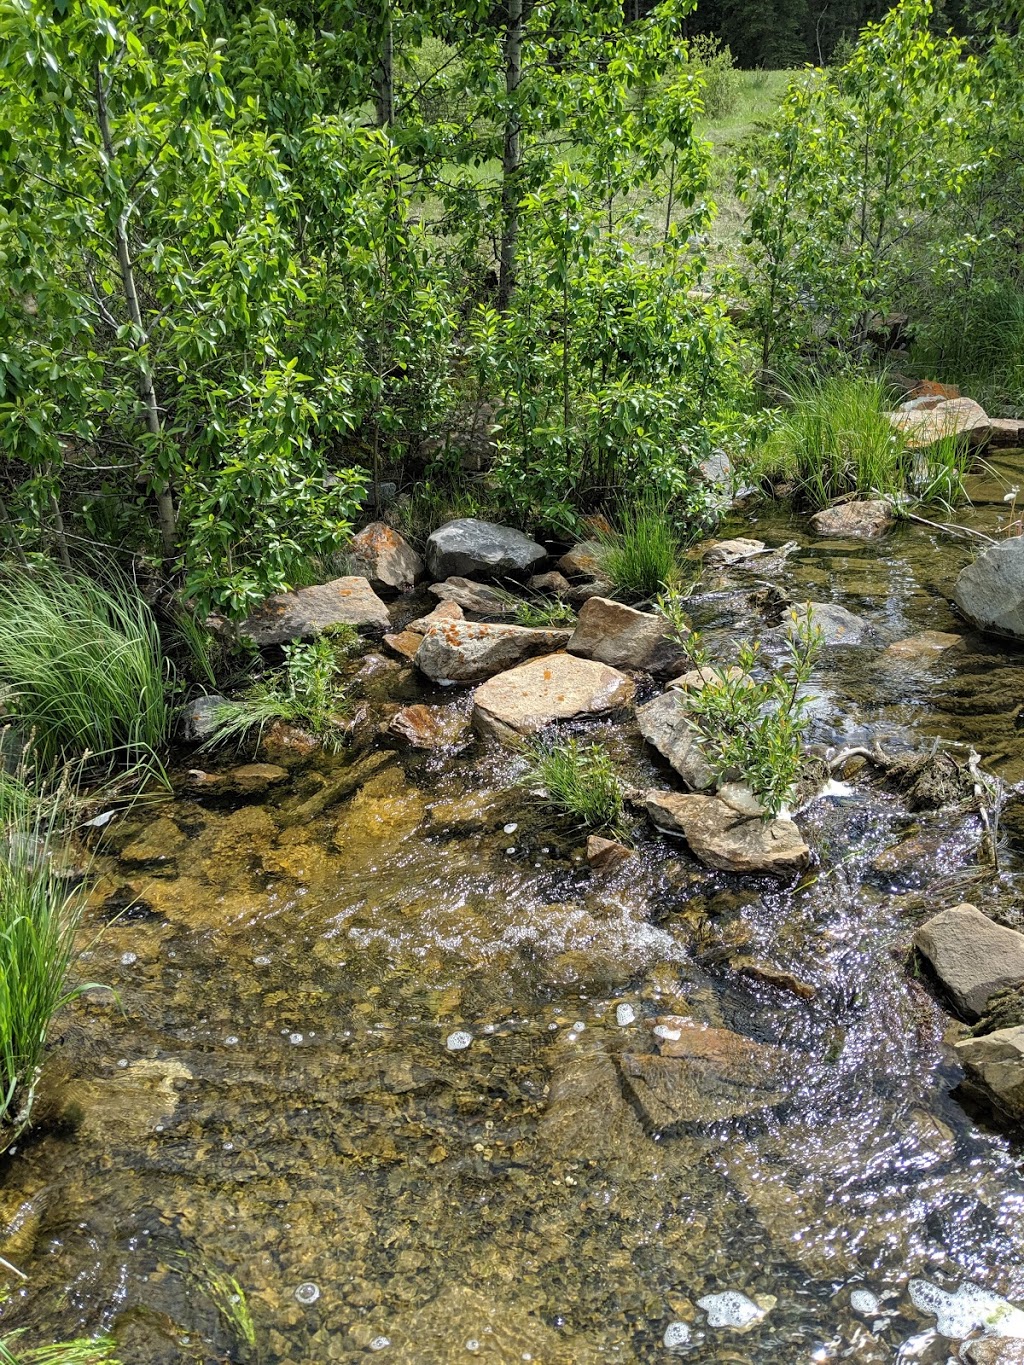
pixel 458 1041
pixel 625 1015
pixel 510 828
pixel 307 1293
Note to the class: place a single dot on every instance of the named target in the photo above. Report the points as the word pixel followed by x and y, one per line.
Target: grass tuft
pixel 578 780
pixel 643 559
pixel 82 1351
pixel 306 692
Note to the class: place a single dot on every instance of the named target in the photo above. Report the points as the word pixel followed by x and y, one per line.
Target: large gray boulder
pixel 663 724
pixel 990 592
pixel 995 1066
pixel 555 687
pixel 971 955
pixel 722 837
pixel 348 601
pixel 469 546
pixel 623 637
pixel 470 651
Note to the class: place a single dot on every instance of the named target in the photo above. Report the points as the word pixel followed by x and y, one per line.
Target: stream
pixel 278 1092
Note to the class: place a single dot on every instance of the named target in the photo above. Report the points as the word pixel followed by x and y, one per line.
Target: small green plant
pixel 752 728
pixel 82 1351
pixel 643 559
pixel 83 668
pixel 544 611
pixel 305 691
pixel 227 1296
pixel 578 780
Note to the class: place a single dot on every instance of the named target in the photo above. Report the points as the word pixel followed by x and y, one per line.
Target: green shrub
pixel 83 668
pixel 977 342
pixel 306 691
pixel 717 77
pixel 578 780
pixel 643 558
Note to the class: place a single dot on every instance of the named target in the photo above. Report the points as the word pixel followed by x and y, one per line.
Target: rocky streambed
pixel 431 1085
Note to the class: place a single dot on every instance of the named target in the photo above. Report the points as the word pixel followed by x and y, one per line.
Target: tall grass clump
pixel 83 668
pixel 977 342
pixel 577 780
pixel 643 558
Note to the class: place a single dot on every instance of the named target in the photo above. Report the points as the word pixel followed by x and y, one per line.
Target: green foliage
pixel 717 79
pixel 83 669
pixel 544 611
pixel 577 780
pixel 751 728
pixel 643 558
pixel 83 1351
pixel 305 691
pixel 976 339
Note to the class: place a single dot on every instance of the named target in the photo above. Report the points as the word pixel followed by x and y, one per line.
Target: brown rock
pixel 253 778
pixel 924 648
pixel 384 557
pixel 469 651
pixel 718 554
pixel 994 1064
pixel 553 582
pixel 862 520
pixel 428 727
pixel 623 637
pixel 775 976
pixel 960 418
pixel 604 855
pixel 445 611
pixel 309 611
pixel 1007 432
pixel 971 955
pixel 406 644
pixel 556 687
pixel 160 840
pixel 995 1351
pixel 583 592
pixel 931 388
pixel 583 560
pixel 287 744
pixel 721 837
pixel 478 598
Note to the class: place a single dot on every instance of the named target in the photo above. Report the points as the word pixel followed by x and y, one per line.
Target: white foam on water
pixel 730 1309
pixel 458 1041
pixel 625 1015
pixel 864 1302
pixel 970 1309
pixel 676 1334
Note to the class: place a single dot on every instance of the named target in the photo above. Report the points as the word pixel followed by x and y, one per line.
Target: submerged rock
pixel 604 855
pixel 994 1065
pixel 384 557
pixel 971 956
pixel 837 625
pixel 663 725
pixel 555 687
pixel 468 546
pixel 428 727
pixel 863 520
pixel 253 779
pixel 990 592
pixel 348 601
pixel 721 553
pixel 478 598
pixel 623 637
pixel 469 651
pixel 723 838
pixel 159 841
pixel 923 648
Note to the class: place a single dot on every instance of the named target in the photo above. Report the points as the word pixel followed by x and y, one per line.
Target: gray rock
pixel 475 597
pixel 972 956
pixel 384 558
pixel 469 546
pixel 721 553
pixel 924 422
pixel 663 724
pixel 721 837
pixel 995 1066
pixel 469 651
pixel 623 637
pixel 555 687
pixel 552 582
pixel 199 717
pixel 862 520
pixel 990 592
pixel 348 601
pixel 837 625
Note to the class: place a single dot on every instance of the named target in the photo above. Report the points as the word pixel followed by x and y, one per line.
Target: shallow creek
pixel 277 1099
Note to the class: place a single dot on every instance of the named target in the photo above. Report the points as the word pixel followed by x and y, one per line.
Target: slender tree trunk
pixel 162 489
pixel 10 531
pixel 385 78
pixel 512 156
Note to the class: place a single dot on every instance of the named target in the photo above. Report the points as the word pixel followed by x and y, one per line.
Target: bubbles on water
pixel 295 1038
pixel 380 1343
pixel 510 828
pixel 307 1293
pixel 730 1309
pixel 579 1026
pixel 122 1062
pixel 625 1015
pixel 129 959
pixel 472 1344
pixel 458 1041
pixel 671 1035
pixel 231 1039
pixel 971 1307
pixel 261 961
pixel 676 1334
pixel 864 1302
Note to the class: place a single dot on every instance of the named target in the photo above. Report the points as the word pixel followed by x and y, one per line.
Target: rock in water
pixel 995 1067
pixel 663 724
pixel 384 557
pixel 924 648
pixel 990 592
pixel 864 520
pixel 969 1310
pixel 972 956
pixel 309 611
pixel 555 687
pixel 837 625
pixel 994 1351
pixel 721 553
pixel 604 855
pixel 428 727
pixel 469 546
pixel 469 651
pixel 721 837
pixel 732 1309
pixel 199 717
pixel 478 598
pixel 925 421
pixel 623 637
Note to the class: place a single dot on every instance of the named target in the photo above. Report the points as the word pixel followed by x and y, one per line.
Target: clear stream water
pixel 276 1098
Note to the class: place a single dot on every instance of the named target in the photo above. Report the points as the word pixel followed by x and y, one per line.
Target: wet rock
pixel 924 422
pixel 287 744
pixel 1007 431
pixel 583 560
pixel 994 1065
pixel 587 1113
pixel 837 625
pixel 405 644
pixel 720 837
pixel 469 651
pixel 623 637
pixel 604 855
pixel 923 648
pixel 446 611
pixel 990 592
pixel 475 597
pixel 469 546
pixel 721 553
pixel 253 779
pixel 923 857
pixel 475 813
pixel 128 1105
pixel 994 1351
pixel 348 601
pixel 555 687
pixel 158 842
pixel 759 970
pixel 698 678
pixel 971 956
pixel 428 727
pixel 862 520
pixel 704 1074
pixel 199 717
pixel 663 725
pixel 384 558
pixel 552 583
pixel 970 1309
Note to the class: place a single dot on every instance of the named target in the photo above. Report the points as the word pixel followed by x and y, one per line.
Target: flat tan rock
pixel 478 598
pixel 469 651
pixel 405 644
pixel 604 855
pixel 972 956
pixel 995 1064
pixel 960 418
pixel 923 648
pixel 428 727
pixel 721 553
pixel 348 601
pixel 554 687
pixel 445 611
pixel 862 520
pixel 723 838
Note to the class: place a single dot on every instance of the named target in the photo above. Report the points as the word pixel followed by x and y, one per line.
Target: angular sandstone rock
pixel 348 601
pixel 555 687
pixel 428 727
pixel 971 955
pixel 721 553
pixel 990 592
pixel 623 637
pixel 723 838
pixel 604 855
pixel 995 1066
pixel 583 560
pixel 960 418
pixel 469 651
pixel 384 557
pixel 475 597
pixel 445 611
pixel 663 724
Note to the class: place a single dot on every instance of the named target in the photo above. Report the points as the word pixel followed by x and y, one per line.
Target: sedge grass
pixel 306 691
pixel 643 559
pixel 83 669
pixel 82 1351
pixel 578 780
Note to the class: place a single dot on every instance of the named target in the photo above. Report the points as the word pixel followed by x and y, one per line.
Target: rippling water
pixel 279 1099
